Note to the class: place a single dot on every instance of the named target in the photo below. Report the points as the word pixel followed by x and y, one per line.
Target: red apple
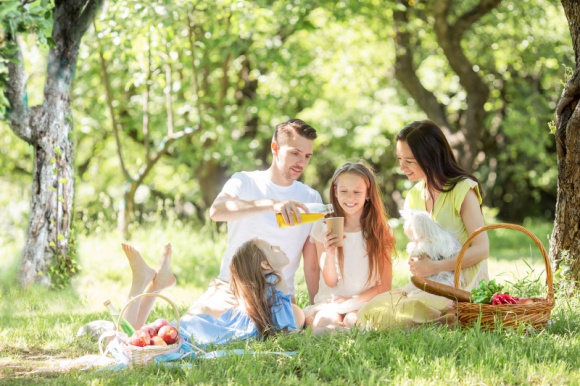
pixel 157 341
pixel 168 333
pixel 140 338
pixel 149 329
pixel 159 323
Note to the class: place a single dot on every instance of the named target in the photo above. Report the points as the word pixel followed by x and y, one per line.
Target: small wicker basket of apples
pixel 153 339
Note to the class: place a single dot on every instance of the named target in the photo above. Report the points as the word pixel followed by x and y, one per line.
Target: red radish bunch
pixel 499 298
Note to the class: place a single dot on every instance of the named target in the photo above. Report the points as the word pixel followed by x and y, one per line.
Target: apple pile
pixel 158 333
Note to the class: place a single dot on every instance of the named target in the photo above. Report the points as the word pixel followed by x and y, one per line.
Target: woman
pixel 453 198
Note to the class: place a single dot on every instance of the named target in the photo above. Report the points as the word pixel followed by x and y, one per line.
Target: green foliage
pixel 522 60
pixel 16 18
pixel 233 69
pixel 64 267
pixel 483 293
pixel 564 282
pixel 532 284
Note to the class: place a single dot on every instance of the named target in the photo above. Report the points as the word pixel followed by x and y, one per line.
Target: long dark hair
pixel 249 285
pixel 434 155
pixel 378 237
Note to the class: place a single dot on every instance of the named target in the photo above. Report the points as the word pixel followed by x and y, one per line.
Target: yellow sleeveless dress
pixel 409 306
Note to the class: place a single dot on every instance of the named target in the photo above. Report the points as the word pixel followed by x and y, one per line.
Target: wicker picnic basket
pixel 142 355
pixel 534 314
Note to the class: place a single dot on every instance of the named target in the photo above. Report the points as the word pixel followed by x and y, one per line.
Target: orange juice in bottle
pixel 317 211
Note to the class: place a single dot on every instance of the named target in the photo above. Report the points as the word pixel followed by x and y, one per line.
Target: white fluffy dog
pixel 429 239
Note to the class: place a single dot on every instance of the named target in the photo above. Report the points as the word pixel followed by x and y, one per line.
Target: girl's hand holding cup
pixel 335 226
pixel 331 241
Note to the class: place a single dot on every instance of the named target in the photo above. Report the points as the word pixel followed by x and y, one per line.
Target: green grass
pixel 38 327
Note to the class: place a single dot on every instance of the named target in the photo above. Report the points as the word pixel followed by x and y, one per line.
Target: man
pixel 249 202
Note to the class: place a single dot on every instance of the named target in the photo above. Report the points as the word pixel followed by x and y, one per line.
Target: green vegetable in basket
pixel 483 293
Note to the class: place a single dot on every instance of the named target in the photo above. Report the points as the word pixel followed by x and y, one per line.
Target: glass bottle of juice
pixel 317 211
pixel 125 325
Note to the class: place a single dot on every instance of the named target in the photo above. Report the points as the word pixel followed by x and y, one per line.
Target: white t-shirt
pixel 356 266
pixel 257 185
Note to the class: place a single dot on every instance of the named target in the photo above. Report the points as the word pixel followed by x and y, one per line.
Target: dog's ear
pixel 409 214
pixel 425 227
pixel 405 213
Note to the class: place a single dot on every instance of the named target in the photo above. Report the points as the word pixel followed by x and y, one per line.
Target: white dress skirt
pixel 355 278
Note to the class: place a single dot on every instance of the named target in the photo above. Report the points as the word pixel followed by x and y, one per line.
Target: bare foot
pixel 164 278
pixel 142 273
pixel 350 319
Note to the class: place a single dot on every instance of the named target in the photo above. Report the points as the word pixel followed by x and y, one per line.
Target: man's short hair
pixel 285 130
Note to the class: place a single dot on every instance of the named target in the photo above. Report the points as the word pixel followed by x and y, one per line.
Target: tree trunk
pixel 127 210
pixel 53 184
pixel 449 33
pixel 566 234
pixel 48 128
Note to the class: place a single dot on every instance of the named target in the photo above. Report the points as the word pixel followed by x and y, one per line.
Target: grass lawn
pixel 38 326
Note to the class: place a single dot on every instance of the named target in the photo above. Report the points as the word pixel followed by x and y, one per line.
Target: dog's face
pixel 428 238
pixel 419 225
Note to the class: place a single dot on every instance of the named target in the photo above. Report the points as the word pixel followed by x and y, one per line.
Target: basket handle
pixel 118 326
pixel 538 243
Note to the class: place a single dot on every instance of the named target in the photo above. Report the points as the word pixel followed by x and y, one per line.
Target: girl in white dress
pixel 361 268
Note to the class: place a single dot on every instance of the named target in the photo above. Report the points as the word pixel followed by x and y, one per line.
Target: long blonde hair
pixel 378 236
pixel 250 286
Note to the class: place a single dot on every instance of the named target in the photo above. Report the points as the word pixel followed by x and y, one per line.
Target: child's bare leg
pixel 142 276
pixel 164 278
pixel 327 318
pixel 299 317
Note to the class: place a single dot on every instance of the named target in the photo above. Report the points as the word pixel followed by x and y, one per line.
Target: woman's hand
pixel 423 266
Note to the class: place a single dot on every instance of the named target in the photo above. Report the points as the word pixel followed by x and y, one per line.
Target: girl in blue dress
pixel 264 310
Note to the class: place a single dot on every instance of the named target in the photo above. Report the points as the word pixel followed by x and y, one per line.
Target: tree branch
pixel 469 18
pixel 85 19
pixel 168 102
pixel 565 109
pixel 109 97
pixel 18 111
pixel 161 149
pixel 406 72
pixel 571 10
pixel 146 97
pixel 194 69
pixel 224 81
pixel 449 40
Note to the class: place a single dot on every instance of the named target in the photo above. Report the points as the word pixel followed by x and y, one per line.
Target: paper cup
pixel 336 226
